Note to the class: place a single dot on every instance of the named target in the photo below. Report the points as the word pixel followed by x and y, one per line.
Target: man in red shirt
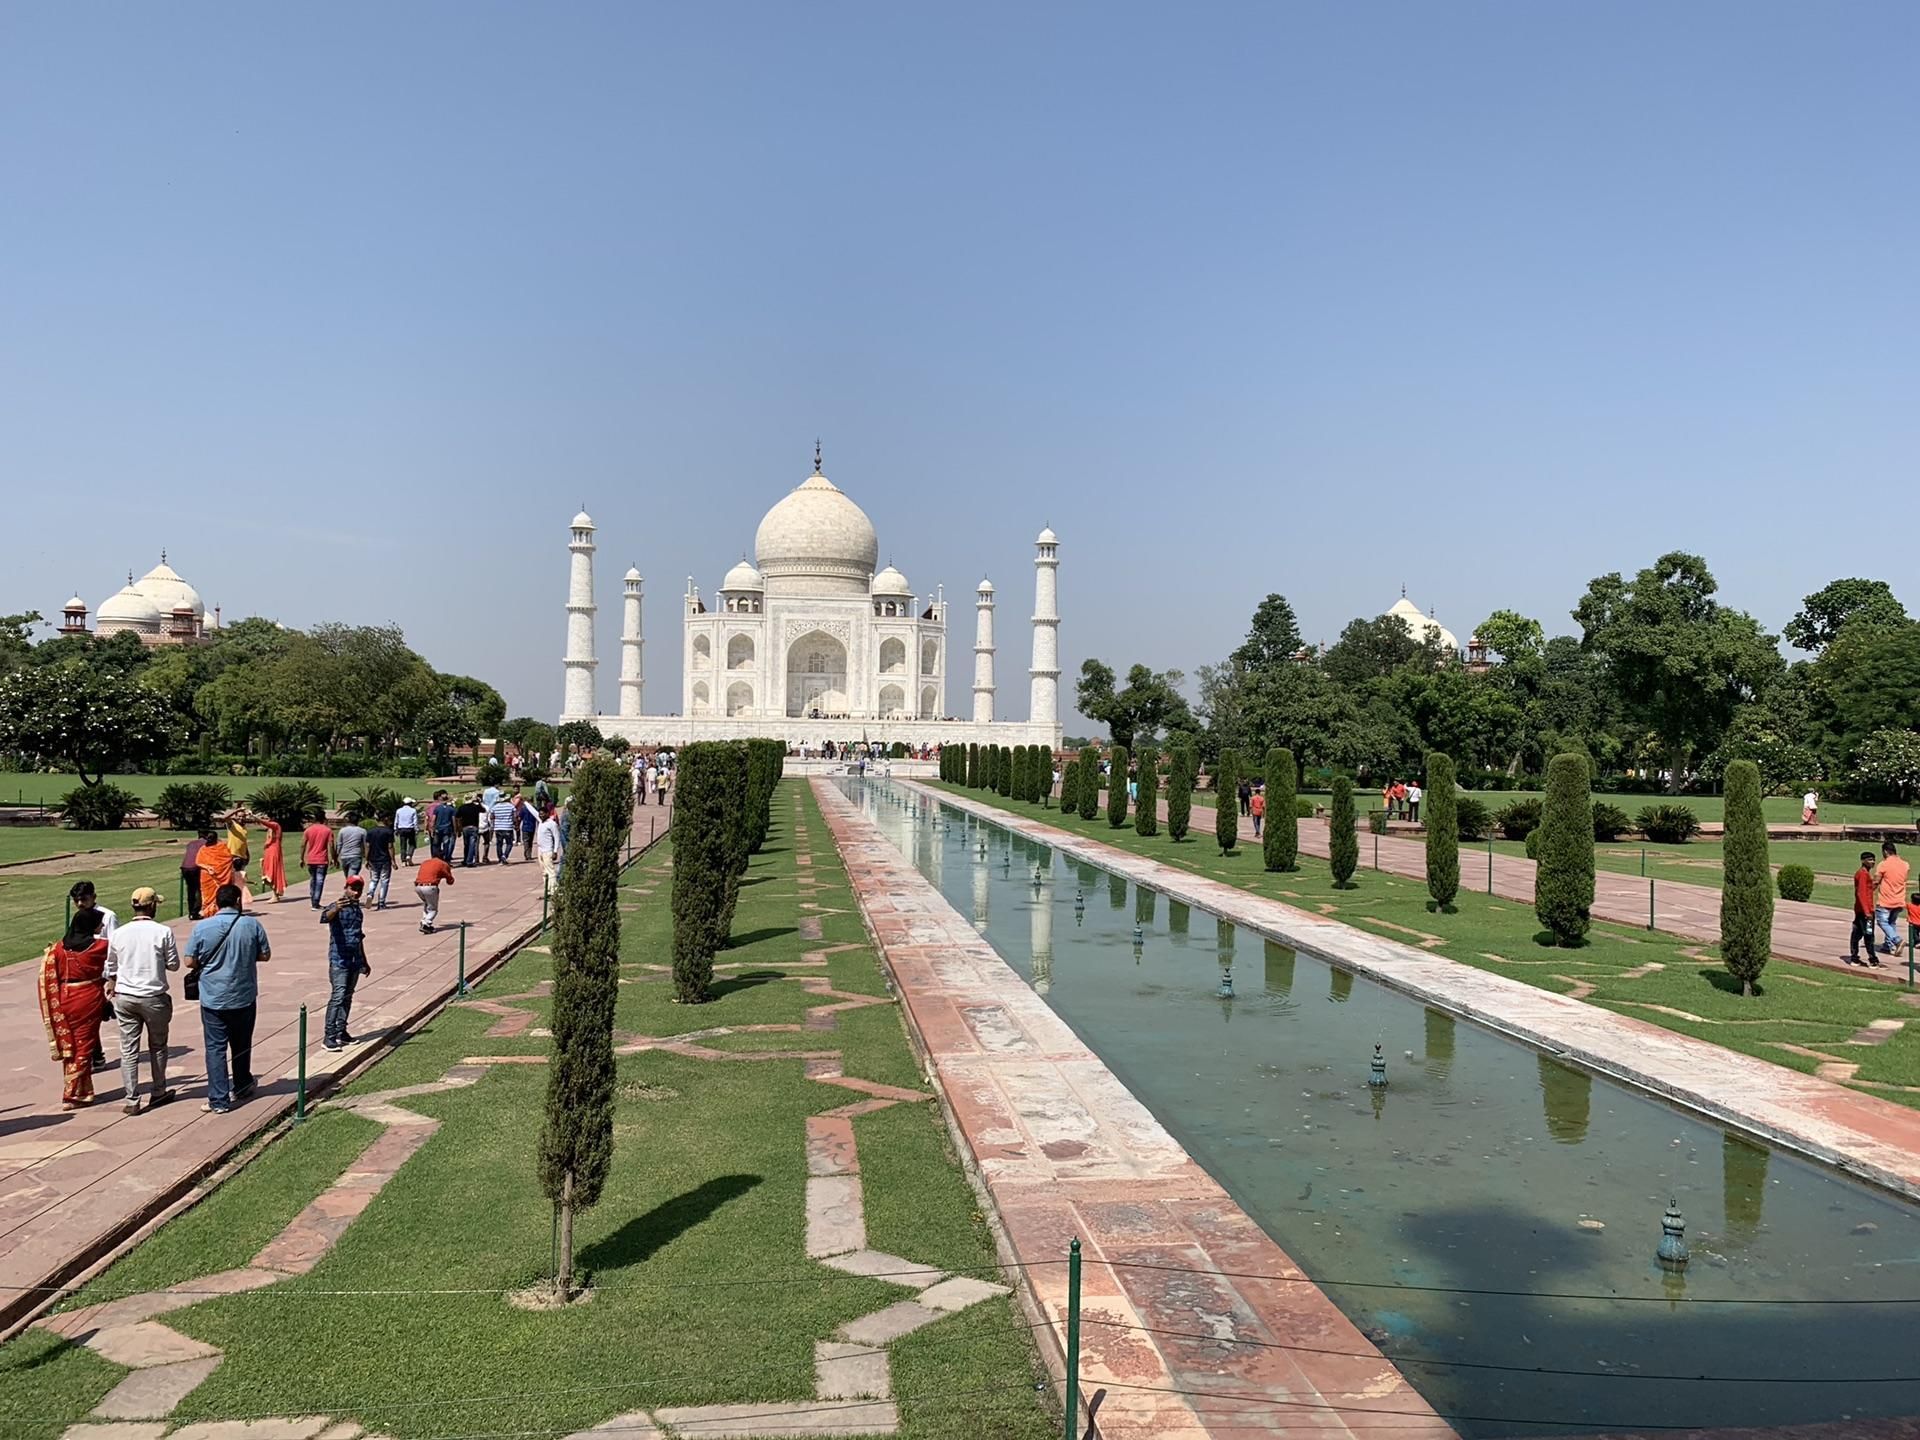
pixel 427 881
pixel 318 850
pixel 1862 912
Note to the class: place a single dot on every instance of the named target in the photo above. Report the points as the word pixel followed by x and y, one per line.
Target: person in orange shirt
pixel 216 869
pixel 1259 805
pixel 1889 897
pixel 427 881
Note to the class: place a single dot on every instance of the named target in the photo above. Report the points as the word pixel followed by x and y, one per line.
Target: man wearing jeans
pixel 346 960
pixel 427 881
pixel 406 829
pixel 442 826
pixel 1890 895
pixel 318 849
pixel 379 863
pixel 505 823
pixel 351 846
pixel 138 958
pixel 225 950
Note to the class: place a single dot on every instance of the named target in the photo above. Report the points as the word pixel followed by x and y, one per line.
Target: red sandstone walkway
pixel 1816 934
pixel 73 1183
pixel 1066 1151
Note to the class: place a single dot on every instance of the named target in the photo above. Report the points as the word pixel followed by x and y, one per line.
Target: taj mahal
pixel 808 642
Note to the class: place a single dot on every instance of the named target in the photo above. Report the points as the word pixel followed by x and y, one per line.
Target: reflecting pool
pixel 1488 1217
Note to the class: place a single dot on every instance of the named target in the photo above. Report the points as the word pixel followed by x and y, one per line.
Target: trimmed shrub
pixel 1146 812
pixel 291 804
pixel 1795 882
pixel 1563 880
pixel 700 849
pixel 491 772
pixel 97 807
pixel 1471 818
pixel 735 766
pixel 1117 788
pixel 1518 820
pixel 1003 773
pixel 1746 888
pixel 766 761
pixel 1280 846
pixel 1180 792
pixel 1226 802
pixel 1343 843
pixel 1667 824
pixel 1069 778
pixel 1533 845
pixel 576 1141
pixel 1443 831
pixel 1303 808
pixel 1089 787
pixel 1610 822
pixel 193 806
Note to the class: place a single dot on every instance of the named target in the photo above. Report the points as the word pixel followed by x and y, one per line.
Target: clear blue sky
pixel 350 306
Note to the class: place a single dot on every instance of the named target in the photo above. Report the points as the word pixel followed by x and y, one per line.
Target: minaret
pixel 633 682
pixel 1044 701
pixel 580 661
pixel 983 656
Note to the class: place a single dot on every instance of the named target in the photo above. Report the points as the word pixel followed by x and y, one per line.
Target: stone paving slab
pixel 74 1183
pixel 1864 1135
pixel 153 1393
pixel 1065 1151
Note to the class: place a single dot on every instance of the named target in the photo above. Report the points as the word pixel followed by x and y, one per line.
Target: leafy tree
pixel 1280 846
pixel 1563 878
pixel 1146 817
pixel 580 735
pixel 89 721
pixel 1374 649
pixel 1089 786
pixel 1831 608
pixel 1513 637
pixel 1680 661
pixel 1117 788
pixel 1889 762
pixel 576 1141
pixel 1443 831
pixel 1226 802
pixel 1150 702
pixel 1273 637
pixel 702 841
pixel 1343 841
pixel 1867 679
pixel 1181 768
pixel 16 639
pixel 1746 890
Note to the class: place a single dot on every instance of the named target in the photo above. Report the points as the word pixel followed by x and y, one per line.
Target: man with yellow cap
pixel 139 956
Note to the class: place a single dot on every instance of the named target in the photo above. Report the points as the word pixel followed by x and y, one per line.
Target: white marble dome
pixel 817 531
pixel 1423 627
pixel 128 608
pixel 168 592
pixel 891 582
pixel 583 521
pixel 743 577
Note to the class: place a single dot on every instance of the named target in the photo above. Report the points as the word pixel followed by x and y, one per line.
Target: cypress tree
pixel 1146 811
pixel 576 1140
pixel 973 765
pixel 1343 845
pixel 1180 769
pixel 700 860
pixel 1280 846
pixel 1037 775
pixel 990 764
pixel 1443 832
pixel 1117 788
pixel 1003 773
pixel 1046 776
pixel 1746 891
pixel 1089 787
pixel 739 828
pixel 1563 878
pixel 1226 802
pixel 765 760
pixel 1068 776
pixel 1023 773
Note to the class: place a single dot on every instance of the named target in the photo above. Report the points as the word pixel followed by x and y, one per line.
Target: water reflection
pixel 1566 1094
pixel 1339 984
pixel 1117 892
pixel 982 886
pixel 1143 905
pixel 1178 918
pixel 1279 969
pixel 1743 1188
pixel 1439 1043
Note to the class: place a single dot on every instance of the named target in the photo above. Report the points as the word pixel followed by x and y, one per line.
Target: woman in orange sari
pixel 72 1000
pixel 216 869
pixel 273 860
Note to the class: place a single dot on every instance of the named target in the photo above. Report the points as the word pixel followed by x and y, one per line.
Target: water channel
pixel 1483 1166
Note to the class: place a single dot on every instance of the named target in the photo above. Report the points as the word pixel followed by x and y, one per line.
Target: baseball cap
pixel 354 882
pixel 146 895
pixel 407 800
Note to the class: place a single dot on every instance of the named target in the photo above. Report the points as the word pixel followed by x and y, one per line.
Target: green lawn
pixel 1686 989
pixel 37 842
pixel 1780 809
pixel 696 1251
pixel 1698 862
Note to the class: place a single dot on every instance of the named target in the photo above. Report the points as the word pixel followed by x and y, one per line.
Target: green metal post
pixel 1489 865
pixel 1376 850
pixel 1643 862
pixel 69 920
pixel 300 1091
pixel 460 986
pixel 1650 904
pixel 1073 1340
pixel 183 892
pixel 543 905
pixel 1910 934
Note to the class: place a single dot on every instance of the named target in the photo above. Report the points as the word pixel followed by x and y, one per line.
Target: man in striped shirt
pixel 503 826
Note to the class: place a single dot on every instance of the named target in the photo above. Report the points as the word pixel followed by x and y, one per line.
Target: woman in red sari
pixel 73 1000
pixel 273 860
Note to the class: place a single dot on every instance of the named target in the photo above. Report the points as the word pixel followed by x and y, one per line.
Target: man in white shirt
pixel 1414 795
pixel 1810 807
pixel 406 829
pixel 546 843
pixel 139 954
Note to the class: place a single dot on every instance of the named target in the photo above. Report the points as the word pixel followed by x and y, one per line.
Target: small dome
pixel 583 521
pixel 986 586
pixel 169 592
pixel 1047 537
pixel 815 529
pixel 891 582
pixel 129 607
pixel 76 603
pixel 743 577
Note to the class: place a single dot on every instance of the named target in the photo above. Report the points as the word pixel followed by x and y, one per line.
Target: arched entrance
pixel 817 675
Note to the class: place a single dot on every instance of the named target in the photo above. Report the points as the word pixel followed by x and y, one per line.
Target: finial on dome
pixel 129 577
pixel 163 554
pixel 1403 589
pixel 816 456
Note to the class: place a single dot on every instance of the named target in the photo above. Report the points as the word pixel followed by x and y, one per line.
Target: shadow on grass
pixel 1727 984
pixel 641 1236
pixel 746 980
pixel 765 932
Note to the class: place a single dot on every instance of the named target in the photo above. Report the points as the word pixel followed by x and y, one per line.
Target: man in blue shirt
pixel 223 954
pixel 346 960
